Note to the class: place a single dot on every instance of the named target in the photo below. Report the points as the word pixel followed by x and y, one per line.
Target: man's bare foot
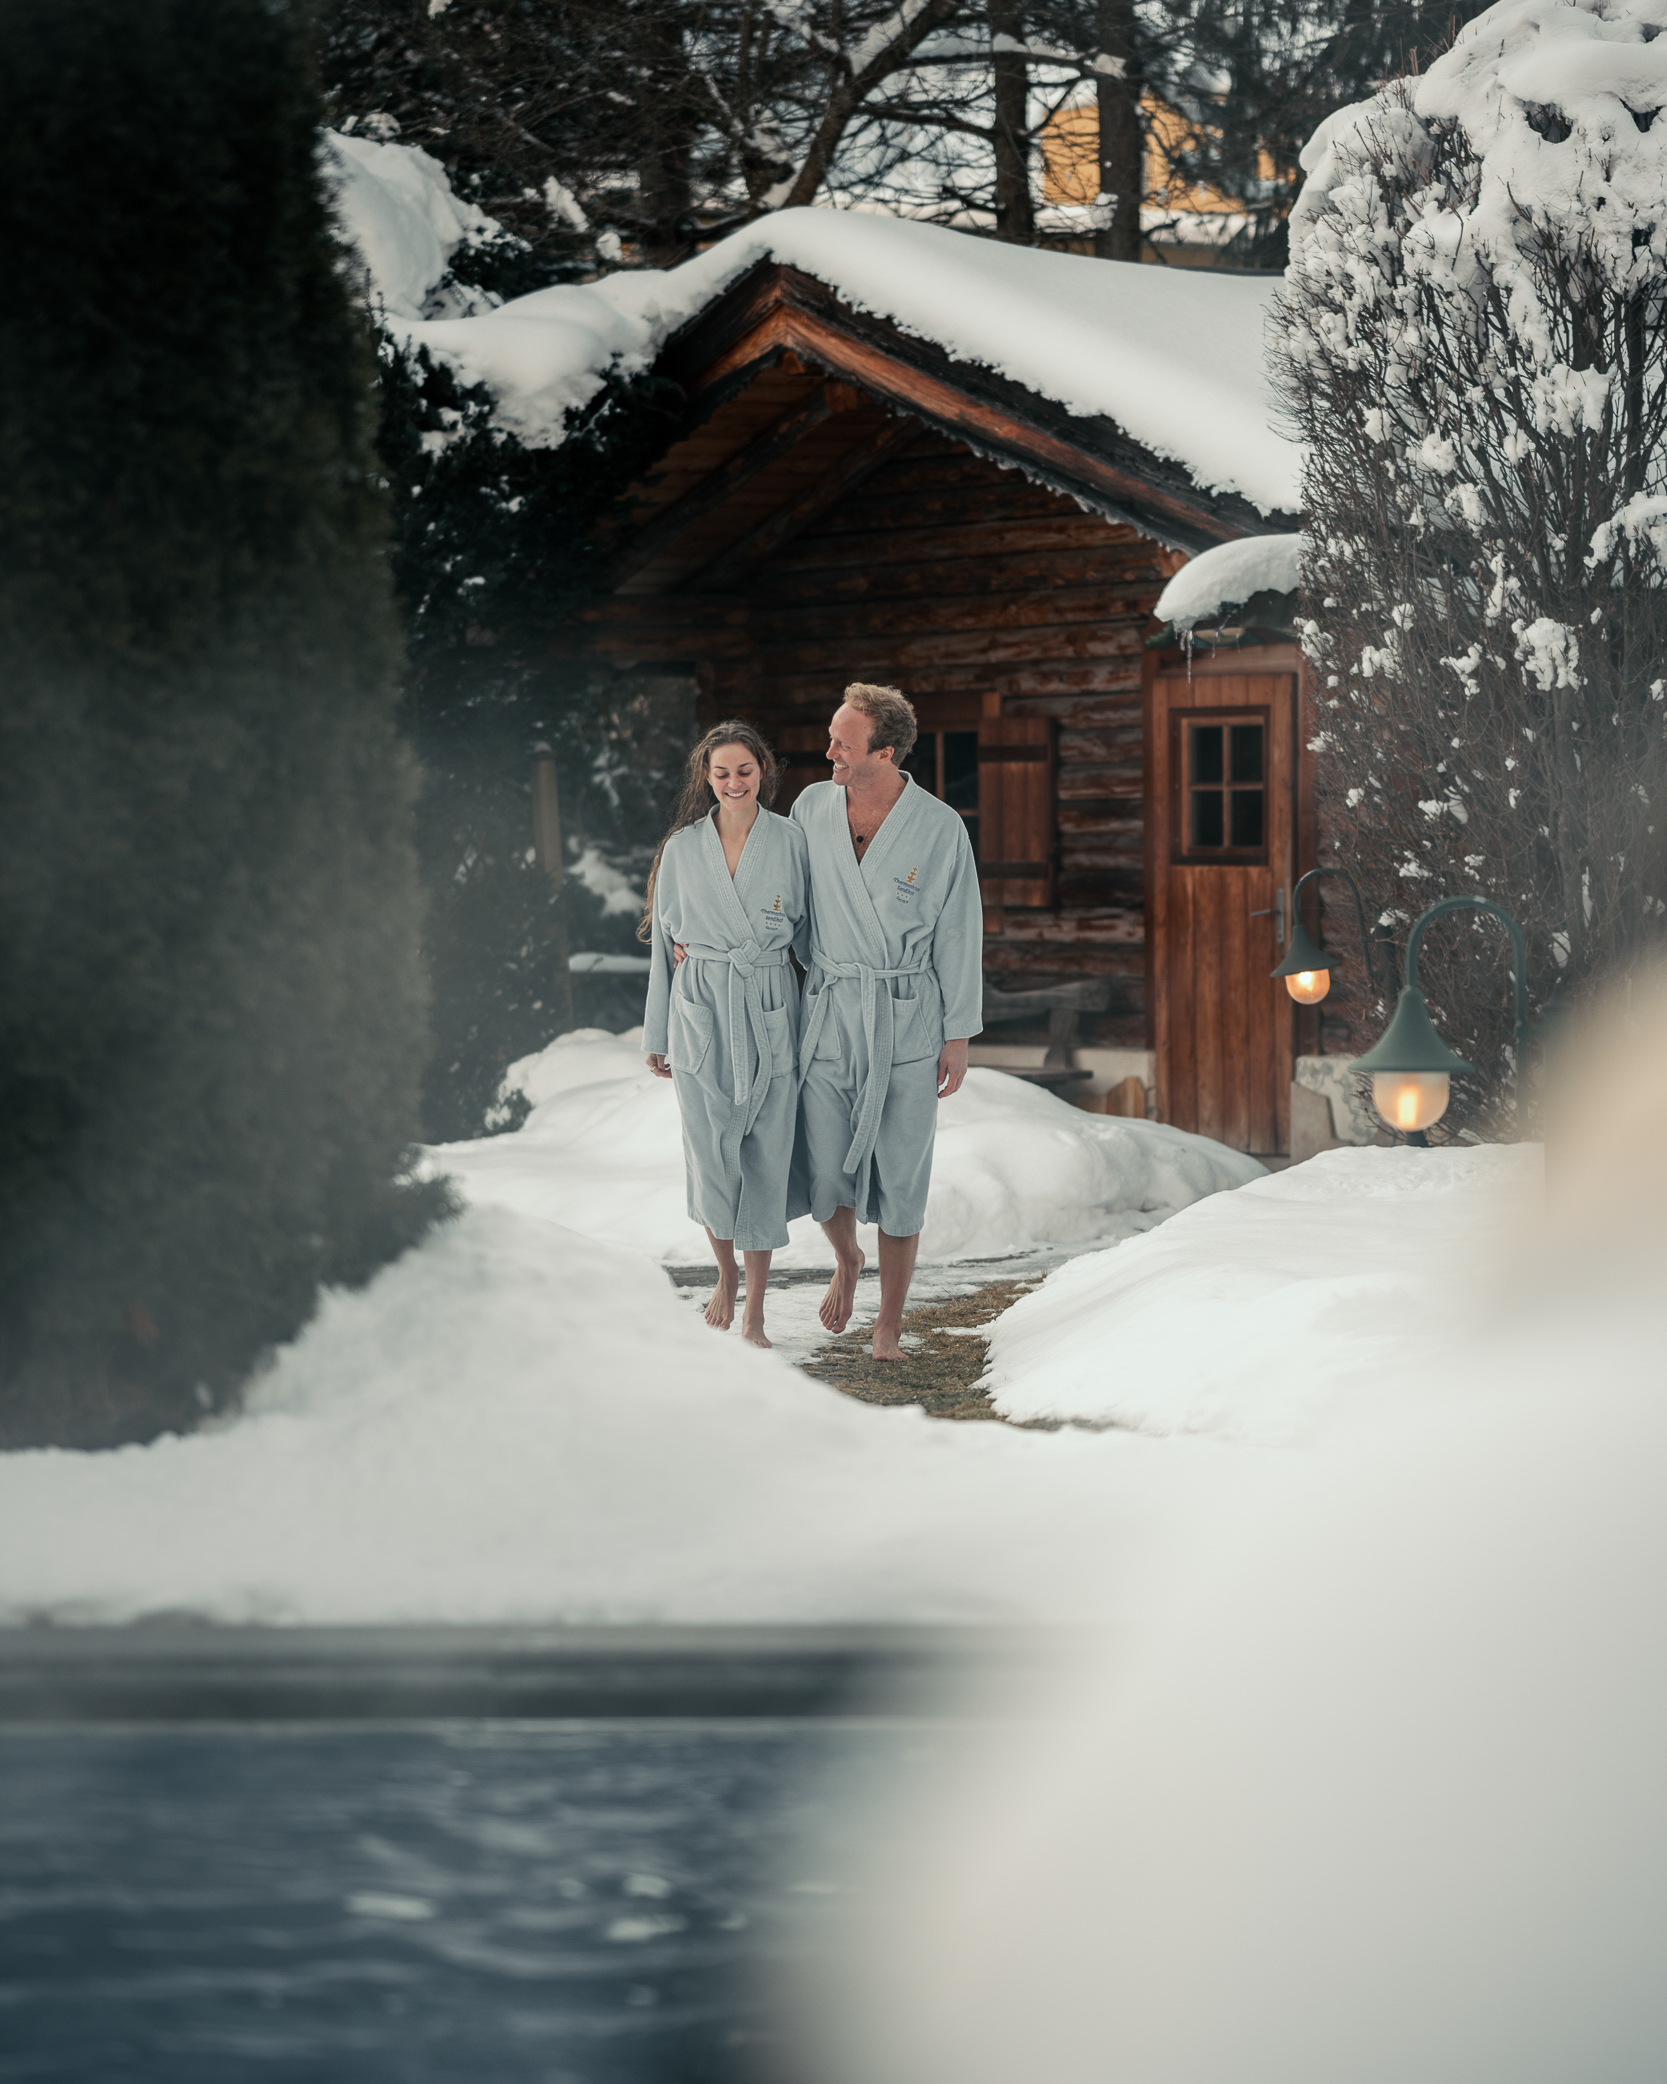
pixel 888 1344
pixel 752 1329
pixel 720 1311
pixel 841 1298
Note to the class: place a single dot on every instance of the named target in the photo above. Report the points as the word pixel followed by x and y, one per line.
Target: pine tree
pixel 211 1011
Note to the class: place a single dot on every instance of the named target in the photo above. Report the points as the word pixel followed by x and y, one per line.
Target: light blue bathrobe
pixel 896 966
pixel 728 1018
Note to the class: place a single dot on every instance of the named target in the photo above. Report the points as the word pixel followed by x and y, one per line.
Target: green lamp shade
pixel 1301 955
pixel 1411 1044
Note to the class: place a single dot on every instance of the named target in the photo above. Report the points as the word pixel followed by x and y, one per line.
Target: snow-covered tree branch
pixel 1473 349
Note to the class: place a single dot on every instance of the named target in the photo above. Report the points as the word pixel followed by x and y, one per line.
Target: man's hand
pixel 658 1065
pixel 952 1068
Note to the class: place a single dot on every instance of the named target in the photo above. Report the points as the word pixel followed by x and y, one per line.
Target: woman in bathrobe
pixel 729 887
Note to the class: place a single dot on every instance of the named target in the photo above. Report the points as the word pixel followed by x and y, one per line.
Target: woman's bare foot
pixel 841 1298
pixel 720 1311
pixel 752 1328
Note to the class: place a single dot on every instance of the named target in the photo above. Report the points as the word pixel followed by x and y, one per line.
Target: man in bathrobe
pixel 893 994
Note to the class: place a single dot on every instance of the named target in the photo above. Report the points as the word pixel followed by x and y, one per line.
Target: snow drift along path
pixel 1243 1314
pixel 1014 1168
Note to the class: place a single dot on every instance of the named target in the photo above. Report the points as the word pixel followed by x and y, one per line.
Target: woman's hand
pixel 658 1065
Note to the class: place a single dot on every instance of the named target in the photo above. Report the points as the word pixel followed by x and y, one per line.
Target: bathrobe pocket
pixel 777 1027
pixel 690 1035
pixel 912 1037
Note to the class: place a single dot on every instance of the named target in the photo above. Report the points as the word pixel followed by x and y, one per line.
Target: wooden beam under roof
pixel 734 565
pixel 656 536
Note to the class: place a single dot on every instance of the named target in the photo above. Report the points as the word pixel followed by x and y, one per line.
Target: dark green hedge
pixel 211 1013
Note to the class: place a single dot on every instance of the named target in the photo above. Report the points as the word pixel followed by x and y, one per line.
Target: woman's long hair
pixel 697 797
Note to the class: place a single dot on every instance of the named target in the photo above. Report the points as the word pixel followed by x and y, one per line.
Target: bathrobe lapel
pixel 746 1005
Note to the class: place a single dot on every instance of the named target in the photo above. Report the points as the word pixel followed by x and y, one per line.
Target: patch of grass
pixel 940 1373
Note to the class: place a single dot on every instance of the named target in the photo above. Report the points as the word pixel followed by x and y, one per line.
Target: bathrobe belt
pixel 746 1010
pixel 879 1032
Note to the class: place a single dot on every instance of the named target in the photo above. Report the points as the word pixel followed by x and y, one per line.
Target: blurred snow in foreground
pixel 1015 1168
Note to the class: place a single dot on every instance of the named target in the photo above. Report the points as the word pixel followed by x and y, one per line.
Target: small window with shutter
pixel 946 764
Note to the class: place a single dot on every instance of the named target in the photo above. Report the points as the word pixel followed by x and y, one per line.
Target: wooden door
pixel 1221 848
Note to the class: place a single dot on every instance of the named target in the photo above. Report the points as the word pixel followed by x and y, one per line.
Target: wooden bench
pixel 1060 1005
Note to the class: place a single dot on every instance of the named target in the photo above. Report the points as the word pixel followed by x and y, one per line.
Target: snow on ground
pixel 1248 1311
pixel 1015 1169
pixel 518 1423
pixel 1173 355
pixel 1227 575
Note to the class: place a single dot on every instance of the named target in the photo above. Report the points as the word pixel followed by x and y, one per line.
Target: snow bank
pixel 1228 575
pixel 1015 1168
pixel 518 1423
pixel 1174 355
pixel 395 204
pixel 1242 1315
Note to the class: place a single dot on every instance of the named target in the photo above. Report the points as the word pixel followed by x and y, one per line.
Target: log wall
pixel 963 583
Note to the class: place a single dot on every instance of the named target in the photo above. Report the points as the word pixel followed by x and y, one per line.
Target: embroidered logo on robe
pixel 906 886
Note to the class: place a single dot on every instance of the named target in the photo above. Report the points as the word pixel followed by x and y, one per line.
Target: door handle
pixel 1275 912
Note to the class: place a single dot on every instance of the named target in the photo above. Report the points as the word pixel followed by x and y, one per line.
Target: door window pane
pixel 1206 756
pixel 1246 753
pixel 1224 783
pixel 1246 824
pixel 1206 819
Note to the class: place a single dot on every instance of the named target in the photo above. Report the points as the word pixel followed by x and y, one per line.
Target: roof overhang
pixel 776 310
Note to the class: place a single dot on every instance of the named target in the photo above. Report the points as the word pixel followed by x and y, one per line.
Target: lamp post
pixel 1306 968
pixel 1410 1067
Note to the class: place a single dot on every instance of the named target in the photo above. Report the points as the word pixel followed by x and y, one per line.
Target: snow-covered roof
pixel 1228 575
pixel 396 205
pixel 1173 356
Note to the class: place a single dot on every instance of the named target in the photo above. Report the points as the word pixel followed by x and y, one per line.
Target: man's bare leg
pixel 841 1299
pixel 897 1270
pixel 720 1311
pixel 758 1279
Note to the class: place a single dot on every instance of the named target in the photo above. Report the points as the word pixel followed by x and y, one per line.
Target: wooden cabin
pixel 844 499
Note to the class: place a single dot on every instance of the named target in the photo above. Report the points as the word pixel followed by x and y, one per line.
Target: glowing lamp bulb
pixel 1410 1099
pixel 1308 987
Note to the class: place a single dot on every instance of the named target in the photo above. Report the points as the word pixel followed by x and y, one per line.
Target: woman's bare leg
pixel 758 1279
pixel 720 1311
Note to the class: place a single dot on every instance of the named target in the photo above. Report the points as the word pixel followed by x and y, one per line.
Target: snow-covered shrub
pixel 1472 344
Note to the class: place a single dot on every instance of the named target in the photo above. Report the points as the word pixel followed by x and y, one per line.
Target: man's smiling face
pixel 848 752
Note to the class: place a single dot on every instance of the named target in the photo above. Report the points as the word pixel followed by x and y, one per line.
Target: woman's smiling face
pixel 734 776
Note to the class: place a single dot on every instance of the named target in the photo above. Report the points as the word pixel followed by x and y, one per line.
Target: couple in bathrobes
pixel 826 1104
